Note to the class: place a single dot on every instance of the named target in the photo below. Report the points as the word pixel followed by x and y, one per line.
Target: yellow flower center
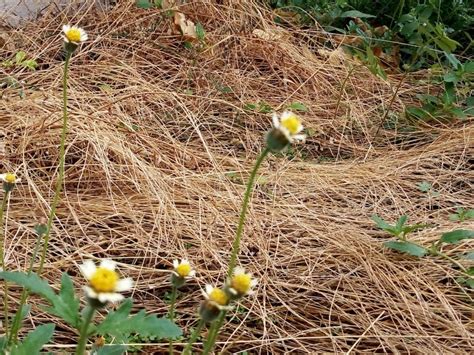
pixel 73 35
pixel 183 269
pixel 218 296
pixel 291 123
pixel 10 178
pixel 241 283
pixel 104 280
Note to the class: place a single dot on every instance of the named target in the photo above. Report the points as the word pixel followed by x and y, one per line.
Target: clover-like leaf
pixel 406 247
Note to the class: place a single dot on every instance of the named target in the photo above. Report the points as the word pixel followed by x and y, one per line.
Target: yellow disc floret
pixel 183 269
pixel 73 35
pixel 291 123
pixel 104 280
pixel 241 283
pixel 10 178
pixel 218 296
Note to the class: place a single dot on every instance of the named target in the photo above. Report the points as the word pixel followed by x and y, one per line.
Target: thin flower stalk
pixel 194 336
pixel 88 316
pixel 2 261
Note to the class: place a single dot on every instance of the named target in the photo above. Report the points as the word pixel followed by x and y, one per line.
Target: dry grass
pixel 157 153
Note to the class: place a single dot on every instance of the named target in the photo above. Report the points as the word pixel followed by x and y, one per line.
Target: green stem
pixel 2 261
pixel 342 90
pixel 243 212
pixel 24 295
pixel 187 349
pixel 171 315
pixel 62 156
pixel 88 314
pixel 217 324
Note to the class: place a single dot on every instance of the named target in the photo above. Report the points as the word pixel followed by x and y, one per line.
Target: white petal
pixel 175 263
pixel 299 137
pixel 209 289
pixel 66 28
pixel 276 121
pixel 110 297
pixel 192 273
pixel 108 264
pixel 124 285
pixel 253 283
pixel 2 176
pixel 233 291
pixel 88 269
pixel 90 292
pixel 239 270
pixel 184 261
pixel 286 114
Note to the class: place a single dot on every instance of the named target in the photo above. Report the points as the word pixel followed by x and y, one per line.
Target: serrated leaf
pixel 64 305
pixel 120 322
pixel 114 349
pixel 424 186
pixel 34 341
pixel 456 236
pixel 32 282
pixel 381 223
pixel 406 247
pixel 413 227
pixel 297 106
pixel 19 57
pixel 400 223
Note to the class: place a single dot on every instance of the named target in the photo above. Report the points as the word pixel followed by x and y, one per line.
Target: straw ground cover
pixel 160 147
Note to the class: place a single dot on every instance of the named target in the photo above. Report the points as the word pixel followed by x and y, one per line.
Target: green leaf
pixel 3 343
pixel 355 13
pixel 200 33
pixel 19 57
pixel 114 349
pixel 456 236
pixel 451 77
pixel 64 305
pixel 120 322
pixel 424 186
pixel 297 106
pixel 34 340
pixel 406 247
pixel 413 228
pixel 468 67
pixel 381 223
pixel 144 4
pixel 401 222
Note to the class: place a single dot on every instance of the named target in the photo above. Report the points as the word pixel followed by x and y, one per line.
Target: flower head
pixel 104 282
pixel 183 269
pixel 9 181
pixel 74 34
pixel 217 297
pixel 241 283
pixel 286 130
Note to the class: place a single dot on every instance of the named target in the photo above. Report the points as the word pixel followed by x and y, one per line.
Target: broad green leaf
pixel 468 67
pixel 451 77
pixel 380 222
pixel 200 33
pixel 120 322
pixel 355 13
pixel 297 106
pixel 413 228
pixel 113 349
pixel 34 341
pixel 456 236
pixel 406 247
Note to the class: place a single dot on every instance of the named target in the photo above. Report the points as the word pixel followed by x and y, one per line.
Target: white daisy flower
pixel 183 269
pixel 216 297
pixel 104 282
pixel 241 283
pixel 74 34
pixel 9 178
pixel 290 125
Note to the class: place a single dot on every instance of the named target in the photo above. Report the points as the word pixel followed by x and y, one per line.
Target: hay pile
pixel 157 153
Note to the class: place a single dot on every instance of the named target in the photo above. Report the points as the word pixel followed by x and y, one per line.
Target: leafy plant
pixel 462 215
pixel 260 106
pixel 399 229
pixel 20 61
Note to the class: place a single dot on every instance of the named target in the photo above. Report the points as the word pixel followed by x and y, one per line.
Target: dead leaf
pixel 268 35
pixel 185 27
